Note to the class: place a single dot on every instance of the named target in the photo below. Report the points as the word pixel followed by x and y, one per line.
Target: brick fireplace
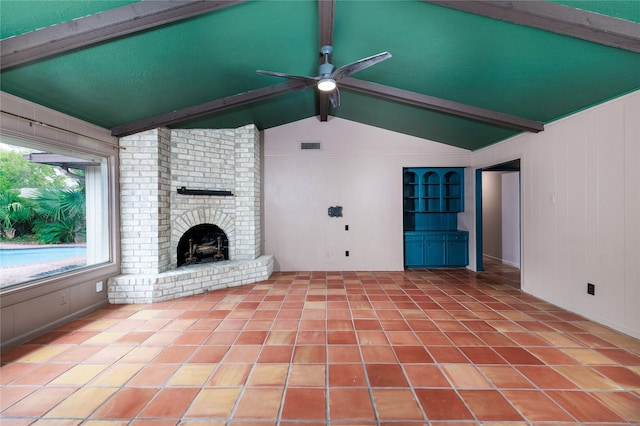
pixel 154 216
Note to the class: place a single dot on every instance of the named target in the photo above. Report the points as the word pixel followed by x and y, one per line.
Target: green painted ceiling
pixel 436 51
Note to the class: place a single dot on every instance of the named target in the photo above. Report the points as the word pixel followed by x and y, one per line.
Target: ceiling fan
pixel 328 75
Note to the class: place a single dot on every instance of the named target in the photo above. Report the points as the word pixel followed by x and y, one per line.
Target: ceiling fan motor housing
pixel 324 70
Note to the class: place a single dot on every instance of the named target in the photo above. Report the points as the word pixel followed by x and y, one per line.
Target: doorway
pixel 498 220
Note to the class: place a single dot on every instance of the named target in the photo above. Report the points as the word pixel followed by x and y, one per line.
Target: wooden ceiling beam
pixel 556 18
pixel 441 105
pixel 100 27
pixel 326 13
pixel 208 108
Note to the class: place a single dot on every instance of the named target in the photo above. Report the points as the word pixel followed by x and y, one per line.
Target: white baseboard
pixel 506 262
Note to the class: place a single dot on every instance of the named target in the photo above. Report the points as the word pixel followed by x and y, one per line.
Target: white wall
pixel 492 214
pixel 360 168
pixel 510 214
pixel 581 211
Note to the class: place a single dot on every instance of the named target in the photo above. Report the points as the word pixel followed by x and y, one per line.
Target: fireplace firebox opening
pixel 201 244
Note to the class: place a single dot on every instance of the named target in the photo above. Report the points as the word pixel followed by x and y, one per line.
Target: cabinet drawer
pixel 413 237
pixel 457 237
pixel 434 237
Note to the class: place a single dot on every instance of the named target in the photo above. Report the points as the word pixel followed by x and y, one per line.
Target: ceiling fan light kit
pixel 326 84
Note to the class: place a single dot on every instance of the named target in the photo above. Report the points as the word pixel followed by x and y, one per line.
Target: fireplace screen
pixel 201 244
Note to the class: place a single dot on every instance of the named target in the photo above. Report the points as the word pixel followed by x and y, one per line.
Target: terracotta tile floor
pixel 368 348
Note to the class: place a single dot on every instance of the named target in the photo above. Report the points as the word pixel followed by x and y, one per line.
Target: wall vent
pixel 309 145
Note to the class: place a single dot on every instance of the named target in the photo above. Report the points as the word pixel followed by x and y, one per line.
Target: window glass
pixel 53 211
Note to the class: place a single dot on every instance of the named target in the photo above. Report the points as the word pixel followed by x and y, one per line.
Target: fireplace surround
pixel 155 214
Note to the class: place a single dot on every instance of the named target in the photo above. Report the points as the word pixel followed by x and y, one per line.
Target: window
pixel 53 210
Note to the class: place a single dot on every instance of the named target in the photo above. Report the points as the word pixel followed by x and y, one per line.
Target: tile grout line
pixel 364 369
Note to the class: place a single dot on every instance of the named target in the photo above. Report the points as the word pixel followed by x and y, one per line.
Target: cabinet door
pixel 457 250
pixel 434 251
pixel 413 251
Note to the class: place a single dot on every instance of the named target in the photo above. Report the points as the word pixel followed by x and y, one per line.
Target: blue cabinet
pixel 436 249
pixel 457 249
pixel 414 251
pixel 435 253
pixel 432 198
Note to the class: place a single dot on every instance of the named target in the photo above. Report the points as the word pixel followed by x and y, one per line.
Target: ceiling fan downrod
pixel 325 69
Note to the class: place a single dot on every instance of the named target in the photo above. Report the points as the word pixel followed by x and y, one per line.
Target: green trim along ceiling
pixel 437 51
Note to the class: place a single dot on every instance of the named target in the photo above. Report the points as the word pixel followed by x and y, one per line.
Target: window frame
pixel 31 123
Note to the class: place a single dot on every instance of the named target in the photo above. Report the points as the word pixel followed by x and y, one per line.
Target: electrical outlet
pixel 591 289
pixel 346 227
pixel 63 299
pixel 346 253
pixel 99 287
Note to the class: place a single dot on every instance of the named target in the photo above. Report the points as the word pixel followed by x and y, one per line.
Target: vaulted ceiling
pixel 464 73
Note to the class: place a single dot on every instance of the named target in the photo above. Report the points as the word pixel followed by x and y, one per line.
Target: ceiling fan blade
pixel 354 67
pixel 334 98
pixel 289 76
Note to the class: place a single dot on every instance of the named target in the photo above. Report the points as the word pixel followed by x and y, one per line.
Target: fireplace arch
pixel 188 219
pixel 201 244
